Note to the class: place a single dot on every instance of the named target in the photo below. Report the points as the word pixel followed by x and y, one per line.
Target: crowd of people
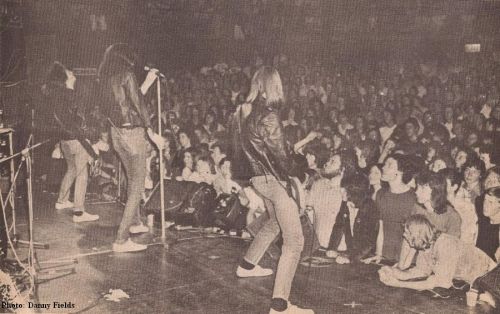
pixel 399 161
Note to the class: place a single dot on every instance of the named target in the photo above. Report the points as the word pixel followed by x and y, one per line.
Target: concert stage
pixel 196 274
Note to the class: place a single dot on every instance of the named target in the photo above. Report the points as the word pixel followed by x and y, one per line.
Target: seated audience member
pixel 190 155
pixel 357 221
pixel 224 184
pixel 489 155
pixel 325 198
pixel 433 204
pixel 488 211
pixel 185 143
pixel 441 259
pixel 395 204
pixel 465 199
pixel 203 171
pixel 218 152
pixel 374 177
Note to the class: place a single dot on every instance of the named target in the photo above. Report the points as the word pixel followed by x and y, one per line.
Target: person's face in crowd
pixel 166 148
pixel 337 141
pixel 303 124
pixel 184 140
pixel 410 130
pixel 343 119
pixel 458 130
pixel 333 166
pixel 438 165
pixel 188 160
pixel 333 115
pixel 311 94
pixel 469 110
pixel 327 142
pixel 427 118
pixel 209 119
pixel 225 169
pixel 485 157
pixel 489 126
pixel 431 153
pixel 370 116
pixel 472 139
pixel 104 137
pixel 472 176
pixel 70 79
pixel 388 118
pixel 460 159
pixel 374 135
pixel 291 114
pixel 424 194
pixel 375 175
pixel 448 114
pixel 311 161
pixel 202 166
pixel 310 113
pixel 390 171
pixel 360 124
pixel 216 154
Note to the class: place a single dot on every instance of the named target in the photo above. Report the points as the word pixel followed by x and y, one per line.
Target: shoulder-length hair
pixel 266 84
pixel 420 232
pixel 437 183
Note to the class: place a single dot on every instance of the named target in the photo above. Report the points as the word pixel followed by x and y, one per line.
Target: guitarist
pixel 261 146
pixel 76 150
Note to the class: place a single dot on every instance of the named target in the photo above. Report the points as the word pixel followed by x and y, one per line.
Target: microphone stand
pixel 162 170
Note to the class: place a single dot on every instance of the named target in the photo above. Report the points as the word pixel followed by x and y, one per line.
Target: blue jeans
pixel 131 148
pixel 77 172
pixel 284 216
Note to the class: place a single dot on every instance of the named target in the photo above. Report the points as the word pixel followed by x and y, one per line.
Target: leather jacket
pixel 69 125
pixel 123 103
pixel 262 144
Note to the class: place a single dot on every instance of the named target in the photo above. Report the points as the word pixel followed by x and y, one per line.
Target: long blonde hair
pixel 266 82
pixel 420 232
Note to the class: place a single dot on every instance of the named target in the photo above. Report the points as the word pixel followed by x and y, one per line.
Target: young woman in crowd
pixel 441 259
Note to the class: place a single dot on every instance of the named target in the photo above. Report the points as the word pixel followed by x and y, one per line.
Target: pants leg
pixel 70 175
pixel 286 216
pixel 82 175
pixel 131 148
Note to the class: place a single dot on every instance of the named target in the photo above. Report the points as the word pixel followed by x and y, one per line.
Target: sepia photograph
pixel 250 156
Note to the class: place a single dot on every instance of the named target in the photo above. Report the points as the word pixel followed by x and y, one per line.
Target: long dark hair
pixel 437 183
pixel 117 58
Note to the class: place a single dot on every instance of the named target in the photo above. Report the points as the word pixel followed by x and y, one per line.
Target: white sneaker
pixel 257 271
pixel 128 246
pixel 64 205
pixel 138 229
pixel 84 217
pixel 293 309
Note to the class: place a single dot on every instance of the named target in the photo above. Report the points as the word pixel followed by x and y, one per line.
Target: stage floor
pixel 196 274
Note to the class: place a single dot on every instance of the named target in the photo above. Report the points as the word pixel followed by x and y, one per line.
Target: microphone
pixel 146 68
